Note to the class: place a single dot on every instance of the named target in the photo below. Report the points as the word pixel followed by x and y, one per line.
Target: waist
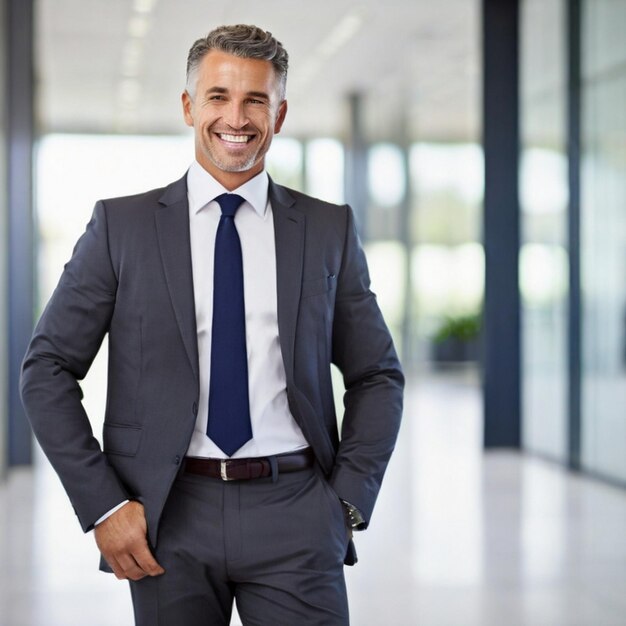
pixel 250 468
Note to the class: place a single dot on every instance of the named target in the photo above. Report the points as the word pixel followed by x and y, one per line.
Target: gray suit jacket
pixel 130 276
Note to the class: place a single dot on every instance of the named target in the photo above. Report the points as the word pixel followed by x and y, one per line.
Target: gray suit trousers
pixel 276 548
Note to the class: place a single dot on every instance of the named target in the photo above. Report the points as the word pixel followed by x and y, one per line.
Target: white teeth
pixel 235 138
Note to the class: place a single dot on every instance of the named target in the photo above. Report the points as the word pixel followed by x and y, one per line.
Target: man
pixel 225 297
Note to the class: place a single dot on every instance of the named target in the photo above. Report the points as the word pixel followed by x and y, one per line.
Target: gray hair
pixel 244 41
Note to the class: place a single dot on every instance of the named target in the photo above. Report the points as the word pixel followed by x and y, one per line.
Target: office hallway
pixel 459 538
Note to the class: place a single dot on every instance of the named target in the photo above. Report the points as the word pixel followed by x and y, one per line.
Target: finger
pixel 146 561
pixel 130 567
pixel 116 567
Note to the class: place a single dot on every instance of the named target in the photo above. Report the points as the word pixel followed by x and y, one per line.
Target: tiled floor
pixel 459 538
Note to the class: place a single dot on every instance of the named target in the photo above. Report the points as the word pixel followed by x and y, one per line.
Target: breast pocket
pixel 318 286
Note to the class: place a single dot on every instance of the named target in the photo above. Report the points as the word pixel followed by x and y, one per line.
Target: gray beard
pixel 232 167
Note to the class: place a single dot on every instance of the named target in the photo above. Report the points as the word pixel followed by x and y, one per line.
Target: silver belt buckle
pixel 224 469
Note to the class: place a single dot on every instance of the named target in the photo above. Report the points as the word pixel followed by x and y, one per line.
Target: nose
pixel 235 116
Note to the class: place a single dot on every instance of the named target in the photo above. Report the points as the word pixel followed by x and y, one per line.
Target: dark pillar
pixel 573 154
pixel 4 240
pixel 356 163
pixel 502 362
pixel 19 88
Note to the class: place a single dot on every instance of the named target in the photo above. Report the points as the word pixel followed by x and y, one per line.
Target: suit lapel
pixel 289 236
pixel 172 224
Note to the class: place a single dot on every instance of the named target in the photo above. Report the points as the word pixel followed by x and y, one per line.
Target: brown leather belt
pixel 248 469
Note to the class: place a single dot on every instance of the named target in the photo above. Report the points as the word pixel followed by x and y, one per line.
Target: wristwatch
pixel 354 517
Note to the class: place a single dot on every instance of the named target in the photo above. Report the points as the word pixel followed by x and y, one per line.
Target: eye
pixel 215 97
pixel 255 101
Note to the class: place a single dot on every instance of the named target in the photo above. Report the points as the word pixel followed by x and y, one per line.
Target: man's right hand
pixel 122 541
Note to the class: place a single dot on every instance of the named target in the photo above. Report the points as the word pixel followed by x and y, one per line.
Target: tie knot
pixel 229 203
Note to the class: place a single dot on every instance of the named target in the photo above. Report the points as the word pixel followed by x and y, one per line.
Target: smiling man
pixel 235 106
pixel 226 298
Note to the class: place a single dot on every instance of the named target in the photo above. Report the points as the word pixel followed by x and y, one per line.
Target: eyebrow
pixel 258 94
pixel 253 94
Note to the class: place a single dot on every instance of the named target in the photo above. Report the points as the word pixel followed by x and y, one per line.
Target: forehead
pixel 220 69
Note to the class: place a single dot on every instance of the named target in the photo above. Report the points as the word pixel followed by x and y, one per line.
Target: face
pixel 235 111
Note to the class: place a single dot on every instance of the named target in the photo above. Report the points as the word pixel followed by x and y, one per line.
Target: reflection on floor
pixel 459 538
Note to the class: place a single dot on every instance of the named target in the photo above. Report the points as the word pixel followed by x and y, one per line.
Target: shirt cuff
pixel 109 513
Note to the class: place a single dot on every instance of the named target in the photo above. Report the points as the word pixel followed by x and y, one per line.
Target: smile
pixel 235 138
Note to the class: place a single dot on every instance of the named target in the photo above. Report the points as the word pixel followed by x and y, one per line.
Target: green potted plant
pixel 457 339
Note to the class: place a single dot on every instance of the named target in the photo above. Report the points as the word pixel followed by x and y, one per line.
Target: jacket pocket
pixel 317 286
pixel 121 439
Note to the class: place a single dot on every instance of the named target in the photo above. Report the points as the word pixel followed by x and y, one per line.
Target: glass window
pixel 284 162
pixel 385 171
pixel 603 232
pixel 447 259
pixel 325 170
pixel 543 256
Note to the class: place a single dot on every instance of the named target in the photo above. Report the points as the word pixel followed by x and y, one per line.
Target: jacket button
pixel 177 460
pixel 194 409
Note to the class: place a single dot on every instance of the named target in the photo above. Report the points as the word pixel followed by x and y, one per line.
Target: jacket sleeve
pixel 64 344
pixel 364 352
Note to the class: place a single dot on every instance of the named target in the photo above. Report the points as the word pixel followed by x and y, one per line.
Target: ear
pixel 280 118
pixel 187 108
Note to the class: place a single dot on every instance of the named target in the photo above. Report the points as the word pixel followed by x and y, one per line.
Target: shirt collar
pixel 202 188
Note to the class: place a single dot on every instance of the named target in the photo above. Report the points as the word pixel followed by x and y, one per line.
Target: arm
pixel 65 342
pixel 363 350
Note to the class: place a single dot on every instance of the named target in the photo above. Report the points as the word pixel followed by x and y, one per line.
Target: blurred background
pixel 482 144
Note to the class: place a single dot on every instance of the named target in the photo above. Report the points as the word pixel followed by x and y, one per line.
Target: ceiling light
pixel 144 6
pixel 338 37
pixel 138 26
pixel 341 34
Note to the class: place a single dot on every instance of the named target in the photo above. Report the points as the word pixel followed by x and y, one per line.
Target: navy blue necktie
pixel 229 409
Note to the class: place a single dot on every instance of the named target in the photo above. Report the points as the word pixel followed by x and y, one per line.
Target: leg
pixel 293 542
pixel 194 590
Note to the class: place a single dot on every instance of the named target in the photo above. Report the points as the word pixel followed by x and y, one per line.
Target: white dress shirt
pixel 274 429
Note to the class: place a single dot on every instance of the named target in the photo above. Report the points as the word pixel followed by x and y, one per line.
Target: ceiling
pixel 118 65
